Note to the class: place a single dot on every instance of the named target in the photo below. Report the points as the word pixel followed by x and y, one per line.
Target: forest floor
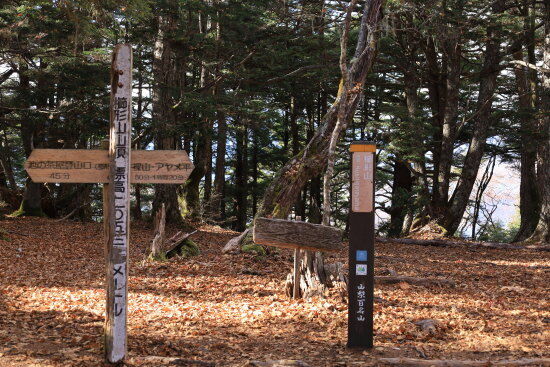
pixel 229 309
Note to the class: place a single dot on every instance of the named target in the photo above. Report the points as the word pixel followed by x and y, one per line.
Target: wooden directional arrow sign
pixel 92 166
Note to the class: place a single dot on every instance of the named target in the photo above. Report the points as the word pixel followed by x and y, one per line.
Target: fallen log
pixel 277 363
pixel 450 243
pixel 177 242
pixel 168 361
pixel 390 279
pixel 233 246
pixel 463 363
pixel 295 234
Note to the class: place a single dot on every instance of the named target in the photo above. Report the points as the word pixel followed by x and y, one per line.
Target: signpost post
pixel 116 169
pixel 361 245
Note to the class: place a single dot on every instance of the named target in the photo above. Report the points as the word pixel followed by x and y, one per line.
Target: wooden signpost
pixel 299 236
pixel 116 169
pixel 85 166
pixel 296 234
pixel 361 245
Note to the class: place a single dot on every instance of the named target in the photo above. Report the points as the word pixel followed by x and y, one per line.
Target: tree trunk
pixel 283 191
pixel 137 214
pixel 254 186
pixel 526 80
pixel 191 187
pixel 31 205
pixel 401 193
pixel 163 116
pixel 529 202
pixel 218 198
pixel 542 232
pixel 203 145
pixel 5 160
pixel 472 161
pixel 448 132
pixel 241 179
pixel 321 149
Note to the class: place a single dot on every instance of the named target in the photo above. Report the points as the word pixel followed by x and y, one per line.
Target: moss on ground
pixel 26 211
pixel 188 248
pixel 255 249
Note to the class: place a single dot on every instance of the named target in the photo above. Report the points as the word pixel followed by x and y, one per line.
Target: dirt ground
pixel 229 309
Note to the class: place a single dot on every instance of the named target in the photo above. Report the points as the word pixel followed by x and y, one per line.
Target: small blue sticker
pixel 361 255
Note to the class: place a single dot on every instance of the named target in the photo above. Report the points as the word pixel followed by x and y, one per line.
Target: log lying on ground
pixel 278 363
pixel 177 242
pixel 389 279
pixel 233 246
pixel 294 234
pixel 463 363
pixel 168 361
pixel 450 243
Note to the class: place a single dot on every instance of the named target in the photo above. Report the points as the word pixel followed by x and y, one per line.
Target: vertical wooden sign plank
pixel 117 204
pixel 361 246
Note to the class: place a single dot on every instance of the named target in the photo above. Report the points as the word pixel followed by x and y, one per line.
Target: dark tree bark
pixel 136 210
pixel 444 89
pixel 542 232
pixel 483 183
pixel 448 132
pixel 526 80
pixel 529 203
pixel 203 146
pixel 488 78
pixel 31 205
pixel 241 178
pixel 254 162
pixel 5 161
pixel 218 200
pixel 163 115
pixel 191 187
pixel 401 192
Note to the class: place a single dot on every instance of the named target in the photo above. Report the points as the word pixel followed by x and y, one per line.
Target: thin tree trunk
pixel 5 160
pixel 241 179
pixel 484 182
pixel 219 180
pixel 254 188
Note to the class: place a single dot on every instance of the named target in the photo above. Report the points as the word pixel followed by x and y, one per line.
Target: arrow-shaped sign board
pixel 92 166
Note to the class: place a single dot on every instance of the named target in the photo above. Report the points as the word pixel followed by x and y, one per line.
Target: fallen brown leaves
pixel 229 309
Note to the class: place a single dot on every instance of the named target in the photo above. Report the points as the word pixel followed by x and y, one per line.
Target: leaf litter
pixel 229 309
